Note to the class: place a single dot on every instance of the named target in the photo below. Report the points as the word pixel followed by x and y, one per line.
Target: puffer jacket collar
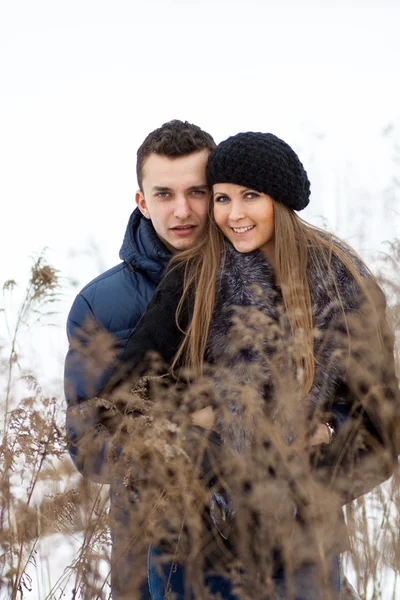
pixel 142 248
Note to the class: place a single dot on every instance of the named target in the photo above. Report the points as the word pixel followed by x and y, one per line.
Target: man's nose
pixel 182 207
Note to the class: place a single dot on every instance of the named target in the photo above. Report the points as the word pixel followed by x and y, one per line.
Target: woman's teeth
pixel 242 229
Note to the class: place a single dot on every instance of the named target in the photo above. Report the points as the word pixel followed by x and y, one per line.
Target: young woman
pixel 289 326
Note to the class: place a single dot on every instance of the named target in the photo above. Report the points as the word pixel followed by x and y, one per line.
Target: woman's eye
pixel 251 195
pixel 222 199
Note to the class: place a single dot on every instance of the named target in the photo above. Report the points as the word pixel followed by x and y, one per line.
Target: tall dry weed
pixel 170 505
pixel 374 520
pixel 157 480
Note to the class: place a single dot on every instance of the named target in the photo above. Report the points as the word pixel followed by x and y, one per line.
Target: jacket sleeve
pixel 85 373
pixel 92 373
pixel 86 370
pixel 156 335
pixel 365 404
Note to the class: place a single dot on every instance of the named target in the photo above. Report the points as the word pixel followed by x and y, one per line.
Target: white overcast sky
pixel 82 82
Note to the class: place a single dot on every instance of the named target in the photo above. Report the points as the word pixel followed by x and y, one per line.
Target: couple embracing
pixel 249 390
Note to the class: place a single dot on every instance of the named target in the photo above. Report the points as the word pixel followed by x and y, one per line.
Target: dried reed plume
pixel 159 477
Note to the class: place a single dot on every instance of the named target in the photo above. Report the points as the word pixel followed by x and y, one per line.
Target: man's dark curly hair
pixel 173 139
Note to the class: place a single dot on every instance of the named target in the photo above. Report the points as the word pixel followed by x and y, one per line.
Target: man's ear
pixel 141 202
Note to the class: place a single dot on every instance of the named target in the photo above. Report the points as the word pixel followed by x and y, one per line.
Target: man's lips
pixel 183 230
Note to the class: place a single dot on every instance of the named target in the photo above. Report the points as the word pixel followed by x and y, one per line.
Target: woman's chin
pixel 241 247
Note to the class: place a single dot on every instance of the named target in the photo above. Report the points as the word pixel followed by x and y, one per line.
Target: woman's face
pixel 245 217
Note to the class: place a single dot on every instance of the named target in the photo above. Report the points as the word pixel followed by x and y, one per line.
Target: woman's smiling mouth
pixel 242 230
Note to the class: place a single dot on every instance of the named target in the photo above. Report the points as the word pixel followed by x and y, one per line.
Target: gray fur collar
pixel 242 343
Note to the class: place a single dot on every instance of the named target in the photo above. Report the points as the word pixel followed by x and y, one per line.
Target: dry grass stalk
pixel 160 466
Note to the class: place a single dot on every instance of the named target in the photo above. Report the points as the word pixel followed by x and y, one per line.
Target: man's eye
pixel 198 192
pixel 162 194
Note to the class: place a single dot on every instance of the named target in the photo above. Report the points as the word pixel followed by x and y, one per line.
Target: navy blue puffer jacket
pixel 113 302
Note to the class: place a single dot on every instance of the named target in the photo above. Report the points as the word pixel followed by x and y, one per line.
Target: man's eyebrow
pixel 161 188
pixel 201 186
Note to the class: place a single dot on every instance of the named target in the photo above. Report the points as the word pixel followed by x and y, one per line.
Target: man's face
pixel 175 197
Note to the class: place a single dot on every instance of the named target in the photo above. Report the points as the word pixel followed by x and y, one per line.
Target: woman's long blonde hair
pixel 298 247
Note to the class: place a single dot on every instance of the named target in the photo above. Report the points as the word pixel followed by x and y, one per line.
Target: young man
pixel 170 215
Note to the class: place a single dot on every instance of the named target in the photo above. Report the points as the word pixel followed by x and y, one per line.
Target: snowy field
pixel 82 83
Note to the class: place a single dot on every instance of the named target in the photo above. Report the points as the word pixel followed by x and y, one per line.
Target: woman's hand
pixel 321 435
pixel 204 418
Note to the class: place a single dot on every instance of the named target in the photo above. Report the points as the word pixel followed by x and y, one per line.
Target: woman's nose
pixel 236 213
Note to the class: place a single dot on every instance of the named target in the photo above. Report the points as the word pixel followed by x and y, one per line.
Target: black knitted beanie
pixel 262 162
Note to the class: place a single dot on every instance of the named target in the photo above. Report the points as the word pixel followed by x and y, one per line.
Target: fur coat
pixel 253 367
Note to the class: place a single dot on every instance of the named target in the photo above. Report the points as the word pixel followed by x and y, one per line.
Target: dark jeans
pixel 305 582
